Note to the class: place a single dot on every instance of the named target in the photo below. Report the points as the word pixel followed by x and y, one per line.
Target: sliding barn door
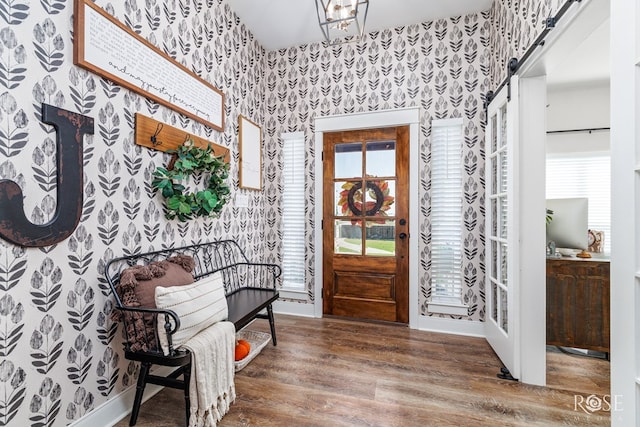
pixel 501 228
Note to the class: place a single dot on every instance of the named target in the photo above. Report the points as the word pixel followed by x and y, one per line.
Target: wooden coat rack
pixel 159 136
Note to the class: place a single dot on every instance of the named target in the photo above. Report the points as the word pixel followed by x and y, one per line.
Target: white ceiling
pixel 279 24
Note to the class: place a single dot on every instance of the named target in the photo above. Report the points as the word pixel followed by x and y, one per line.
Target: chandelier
pixel 342 20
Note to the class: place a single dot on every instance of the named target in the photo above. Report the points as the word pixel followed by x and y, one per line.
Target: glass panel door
pixel 500 227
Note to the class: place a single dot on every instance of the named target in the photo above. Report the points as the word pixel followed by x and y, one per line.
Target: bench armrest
pixel 140 327
pixel 267 273
pixel 249 275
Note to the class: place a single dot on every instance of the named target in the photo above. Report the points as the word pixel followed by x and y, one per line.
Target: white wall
pixel 578 107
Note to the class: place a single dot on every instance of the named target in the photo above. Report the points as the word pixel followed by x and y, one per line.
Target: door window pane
pixel 347 238
pixel 503 263
pixel 380 197
pixel 381 158
pixel 503 172
pixel 494 217
pixel 503 217
pixel 380 238
pixel 494 260
pixel 348 160
pixel 494 302
pixel 494 134
pixel 348 198
pixel 503 310
pixel 503 126
pixel 494 175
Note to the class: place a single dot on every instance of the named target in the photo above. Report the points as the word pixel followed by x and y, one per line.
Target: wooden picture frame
pixel 250 146
pixel 106 47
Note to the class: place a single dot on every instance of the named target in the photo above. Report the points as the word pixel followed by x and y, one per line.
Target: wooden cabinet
pixel 578 303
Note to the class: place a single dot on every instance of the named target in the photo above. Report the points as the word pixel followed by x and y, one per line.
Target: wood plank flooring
pixel 334 372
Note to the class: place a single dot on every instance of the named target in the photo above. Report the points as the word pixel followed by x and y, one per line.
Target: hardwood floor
pixel 333 372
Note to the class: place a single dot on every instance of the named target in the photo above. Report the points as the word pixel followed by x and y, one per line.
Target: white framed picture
pixel 250 142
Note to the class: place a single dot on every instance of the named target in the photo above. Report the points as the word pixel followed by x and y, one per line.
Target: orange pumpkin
pixel 241 352
pixel 245 343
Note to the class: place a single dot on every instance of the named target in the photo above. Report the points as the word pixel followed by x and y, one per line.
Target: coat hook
pixel 154 137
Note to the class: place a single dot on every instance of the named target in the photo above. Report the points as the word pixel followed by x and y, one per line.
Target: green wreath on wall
pixel 188 161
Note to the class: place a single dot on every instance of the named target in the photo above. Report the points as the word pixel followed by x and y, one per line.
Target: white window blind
pixel 584 175
pixel 446 211
pixel 293 222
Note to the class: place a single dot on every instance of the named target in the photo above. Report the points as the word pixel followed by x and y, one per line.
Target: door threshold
pixel 358 319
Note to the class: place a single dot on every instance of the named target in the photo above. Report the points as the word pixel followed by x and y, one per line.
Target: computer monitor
pixel 568 227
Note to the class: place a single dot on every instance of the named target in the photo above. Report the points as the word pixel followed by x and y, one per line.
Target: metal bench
pixel 250 288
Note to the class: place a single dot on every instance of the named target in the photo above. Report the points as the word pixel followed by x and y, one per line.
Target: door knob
pixel 402 235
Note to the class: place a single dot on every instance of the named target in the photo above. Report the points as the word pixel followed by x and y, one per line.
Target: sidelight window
pixel 446 217
pixel 293 220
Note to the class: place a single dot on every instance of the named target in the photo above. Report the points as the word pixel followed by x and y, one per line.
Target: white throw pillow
pixel 198 306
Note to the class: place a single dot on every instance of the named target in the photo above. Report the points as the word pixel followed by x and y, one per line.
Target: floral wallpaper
pixel 516 24
pixel 442 66
pixel 60 353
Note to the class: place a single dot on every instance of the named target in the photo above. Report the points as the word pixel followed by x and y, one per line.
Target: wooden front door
pixel 366 224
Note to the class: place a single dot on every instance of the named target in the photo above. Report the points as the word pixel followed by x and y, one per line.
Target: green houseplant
pixel 184 205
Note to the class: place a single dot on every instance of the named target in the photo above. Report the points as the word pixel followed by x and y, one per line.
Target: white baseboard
pixel 119 406
pixel 451 326
pixel 293 308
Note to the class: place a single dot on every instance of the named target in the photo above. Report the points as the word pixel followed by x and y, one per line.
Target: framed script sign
pixel 250 142
pixel 108 48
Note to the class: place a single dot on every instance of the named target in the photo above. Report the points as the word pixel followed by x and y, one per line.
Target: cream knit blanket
pixel 211 389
